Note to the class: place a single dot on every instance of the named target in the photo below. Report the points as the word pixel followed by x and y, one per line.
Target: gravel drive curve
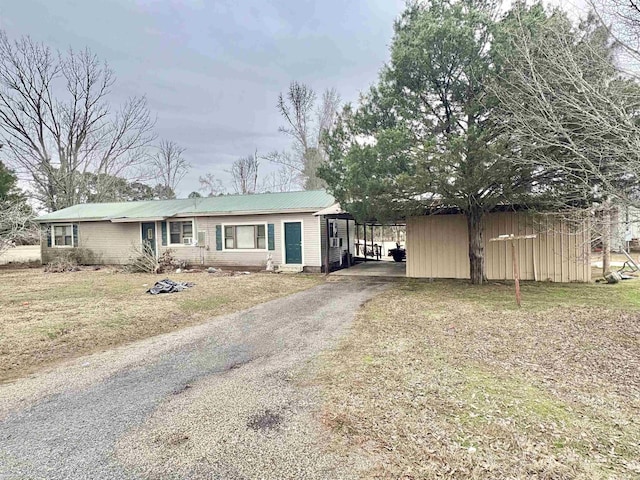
pixel 218 400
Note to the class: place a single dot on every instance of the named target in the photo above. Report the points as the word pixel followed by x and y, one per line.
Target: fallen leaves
pixel 444 384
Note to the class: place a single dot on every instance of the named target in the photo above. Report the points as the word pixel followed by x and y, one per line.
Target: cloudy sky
pixel 212 69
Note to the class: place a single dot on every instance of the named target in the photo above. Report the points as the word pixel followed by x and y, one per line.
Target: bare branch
pixel 244 174
pixel 57 123
pixel 15 222
pixel 169 165
pixel 307 127
pixel 211 185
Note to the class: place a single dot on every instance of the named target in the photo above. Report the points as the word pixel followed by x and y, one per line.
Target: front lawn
pixel 449 380
pixel 46 317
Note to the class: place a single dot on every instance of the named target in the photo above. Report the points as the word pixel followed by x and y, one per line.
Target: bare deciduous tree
pixel 281 180
pixel 307 126
pixel 169 165
pixel 572 113
pixel 622 18
pixel 244 174
pixel 211 185
pixel 57 124
pixel 573 116
pixel 15 222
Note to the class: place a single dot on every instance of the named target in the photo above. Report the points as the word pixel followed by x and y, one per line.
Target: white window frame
pixel 284 245
pixel 194 240
pixel 53 235
pixel 244 224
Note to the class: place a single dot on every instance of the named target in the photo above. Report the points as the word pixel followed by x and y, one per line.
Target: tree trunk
pixel 606 239
pixel 475 226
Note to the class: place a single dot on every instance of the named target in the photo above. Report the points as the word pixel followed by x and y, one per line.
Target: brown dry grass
pixel 49 317
pixel 445 379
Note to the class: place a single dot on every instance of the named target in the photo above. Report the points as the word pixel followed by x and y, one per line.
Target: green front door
pixel 149 236
pixel 293 242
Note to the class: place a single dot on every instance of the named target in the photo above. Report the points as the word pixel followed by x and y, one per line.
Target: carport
pixel 374 269
pixel 364 253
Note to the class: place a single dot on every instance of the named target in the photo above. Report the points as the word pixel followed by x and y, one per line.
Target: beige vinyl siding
pixel 208 255
pixel 437 247
pixel 111 243
pixel 335 253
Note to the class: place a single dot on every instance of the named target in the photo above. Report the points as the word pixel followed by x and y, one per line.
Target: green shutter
pixel 164 233
pixel 75 235
pixel 218 237
pixel 46 230
pixel 271 234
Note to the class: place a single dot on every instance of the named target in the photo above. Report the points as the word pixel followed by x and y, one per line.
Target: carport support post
pixel 364 229
pixel 326 250
pixel 348 248
pixel 374 253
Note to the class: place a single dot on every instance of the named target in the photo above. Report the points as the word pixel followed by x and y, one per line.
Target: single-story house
pixel 225 231
pixel 308 231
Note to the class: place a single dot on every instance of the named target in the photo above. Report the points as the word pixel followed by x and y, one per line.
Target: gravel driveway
pixel 225 399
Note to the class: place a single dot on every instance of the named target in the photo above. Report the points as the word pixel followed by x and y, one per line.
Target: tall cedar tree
pixel 8 185
pixel 426 134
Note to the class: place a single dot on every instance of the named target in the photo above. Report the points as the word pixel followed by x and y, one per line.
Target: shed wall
pixel 437 247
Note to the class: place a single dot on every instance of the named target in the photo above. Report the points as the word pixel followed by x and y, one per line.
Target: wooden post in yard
pixel 516 273
pixel 516 265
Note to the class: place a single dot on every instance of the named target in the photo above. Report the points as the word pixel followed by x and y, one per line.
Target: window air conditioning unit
pixel 187 240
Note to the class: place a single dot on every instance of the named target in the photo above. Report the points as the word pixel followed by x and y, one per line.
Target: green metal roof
pixel 307 201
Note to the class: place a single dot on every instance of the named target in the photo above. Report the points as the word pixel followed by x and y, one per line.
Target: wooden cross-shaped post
pixel 516 267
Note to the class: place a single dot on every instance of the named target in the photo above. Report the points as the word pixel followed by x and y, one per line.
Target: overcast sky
pixel 212 69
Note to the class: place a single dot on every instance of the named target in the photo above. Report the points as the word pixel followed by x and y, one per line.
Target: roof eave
pixel 70 220
pixel 182 215
pixel 136 219
pixel 244 212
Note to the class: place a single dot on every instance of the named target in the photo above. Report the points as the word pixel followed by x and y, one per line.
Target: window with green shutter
pixel 245 237
pixel 63 235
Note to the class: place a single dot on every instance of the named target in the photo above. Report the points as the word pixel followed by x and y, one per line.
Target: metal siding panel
pixel 465 271
pixel 493 249
pixel 419 251
pixel 427 245
pixel 502 224
pixel 437 246
pixel 410 252
pixel 549 252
